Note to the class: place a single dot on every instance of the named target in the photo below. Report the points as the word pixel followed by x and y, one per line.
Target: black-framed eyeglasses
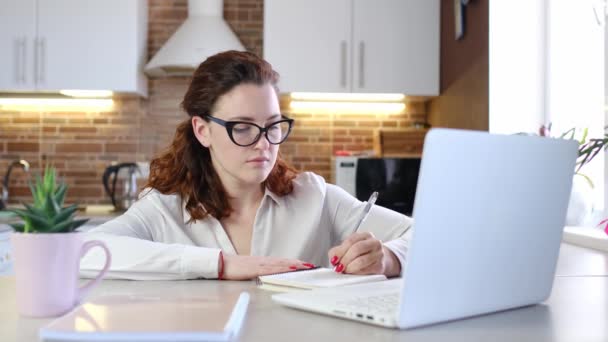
pixel 244 133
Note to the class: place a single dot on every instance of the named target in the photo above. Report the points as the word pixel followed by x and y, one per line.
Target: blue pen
pixel 366 210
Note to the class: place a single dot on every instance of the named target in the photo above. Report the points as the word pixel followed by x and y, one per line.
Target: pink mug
pixel 47 268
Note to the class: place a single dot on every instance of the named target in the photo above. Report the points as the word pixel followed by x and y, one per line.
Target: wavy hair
pixel 185 167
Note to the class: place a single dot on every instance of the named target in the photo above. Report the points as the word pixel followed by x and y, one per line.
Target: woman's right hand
pixel 243 267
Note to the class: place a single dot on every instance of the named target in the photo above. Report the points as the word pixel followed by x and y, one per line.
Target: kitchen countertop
pixel 94 215
pixel 575 311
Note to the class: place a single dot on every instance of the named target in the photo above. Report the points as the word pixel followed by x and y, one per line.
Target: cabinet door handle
pixel 23 59
pixel 36 57
pixel 42 60
pixel 361 64
pixel 17 60
pixel 343 64
pixel 20 49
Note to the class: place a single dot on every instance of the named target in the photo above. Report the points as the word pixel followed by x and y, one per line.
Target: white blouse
pixel 154 241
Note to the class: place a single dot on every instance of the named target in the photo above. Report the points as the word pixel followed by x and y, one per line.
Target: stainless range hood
pixel 204 33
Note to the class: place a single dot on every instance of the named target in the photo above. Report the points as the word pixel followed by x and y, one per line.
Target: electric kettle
pixel 129 191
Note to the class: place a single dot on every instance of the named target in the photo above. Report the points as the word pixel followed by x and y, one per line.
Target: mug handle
pixel 84 290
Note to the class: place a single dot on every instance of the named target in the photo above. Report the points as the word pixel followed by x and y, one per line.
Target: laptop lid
pixel 489 215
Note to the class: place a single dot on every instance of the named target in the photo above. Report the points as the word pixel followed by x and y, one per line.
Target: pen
pixel 366 210
pixel 405 231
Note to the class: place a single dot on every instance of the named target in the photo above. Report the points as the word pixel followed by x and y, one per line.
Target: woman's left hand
pixel 362 253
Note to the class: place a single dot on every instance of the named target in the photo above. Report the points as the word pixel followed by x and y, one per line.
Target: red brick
pixel 119 147
pixel 302 159
pixel 77 147
pixel 357 147
pixel 313 150
pixel 65 129
pixel 343 139
pixel 366 132
pixel 124 121
pixel 79 173
pixel 389 124
pixel 357 117
pixel 81 191
pixel 345 123
pixel 23 147
pixel 87 181
pixel 80 121
pixel 257 16
pixel 298 138
pixel 26 120
pixel 20 191
pixel 369 123
pixel 54 120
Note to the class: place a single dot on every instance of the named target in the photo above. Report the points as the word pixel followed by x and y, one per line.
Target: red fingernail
pixel 308 265
pixel 293 267
pixel 334 260
pixel 339 268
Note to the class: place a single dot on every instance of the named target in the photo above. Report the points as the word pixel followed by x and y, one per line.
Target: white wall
pixel 517 65
pixel 576 77
pixel 547 64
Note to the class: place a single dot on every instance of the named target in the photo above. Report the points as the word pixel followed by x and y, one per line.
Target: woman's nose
pixel 262 143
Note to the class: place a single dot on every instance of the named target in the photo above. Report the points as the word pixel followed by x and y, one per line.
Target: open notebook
pixel 311 279
pixel 139 318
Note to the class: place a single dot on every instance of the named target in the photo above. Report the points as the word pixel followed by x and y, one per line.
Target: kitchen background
pixel 82 144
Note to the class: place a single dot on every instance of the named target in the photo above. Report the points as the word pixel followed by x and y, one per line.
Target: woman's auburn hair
pixel 185 167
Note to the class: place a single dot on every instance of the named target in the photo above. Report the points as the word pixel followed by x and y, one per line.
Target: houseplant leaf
pixel 60 194
pixel 36 221
pixel 78 223
pixel 18 227
pixel 65 213
pixel 63 227
pixel 50 206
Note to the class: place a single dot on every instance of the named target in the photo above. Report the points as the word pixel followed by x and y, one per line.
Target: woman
pixel 220 202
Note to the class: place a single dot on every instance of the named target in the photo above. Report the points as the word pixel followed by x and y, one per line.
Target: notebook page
pixel 320 277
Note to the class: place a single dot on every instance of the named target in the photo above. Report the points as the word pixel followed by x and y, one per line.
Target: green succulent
pixel 47 214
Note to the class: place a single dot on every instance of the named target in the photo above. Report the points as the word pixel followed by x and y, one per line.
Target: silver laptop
pixel 489 215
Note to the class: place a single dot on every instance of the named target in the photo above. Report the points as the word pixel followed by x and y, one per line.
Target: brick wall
pixel 81 145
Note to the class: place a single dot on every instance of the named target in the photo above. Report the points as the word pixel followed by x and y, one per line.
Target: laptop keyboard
pixel 384 304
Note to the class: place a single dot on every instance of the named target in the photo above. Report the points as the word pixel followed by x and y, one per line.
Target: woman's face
pixel 241 165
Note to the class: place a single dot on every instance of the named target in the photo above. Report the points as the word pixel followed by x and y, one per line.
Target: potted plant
pixel 581 204
pixel 47 251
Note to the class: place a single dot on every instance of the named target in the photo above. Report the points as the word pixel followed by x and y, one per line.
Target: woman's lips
pixel 258 160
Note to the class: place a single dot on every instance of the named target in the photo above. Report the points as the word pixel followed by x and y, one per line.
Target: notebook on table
pixel 147 318
pixel 312 279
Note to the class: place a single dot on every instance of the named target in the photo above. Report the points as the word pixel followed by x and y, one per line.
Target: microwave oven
pixel 395 179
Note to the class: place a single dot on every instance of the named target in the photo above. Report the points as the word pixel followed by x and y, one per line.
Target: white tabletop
pixel 576 311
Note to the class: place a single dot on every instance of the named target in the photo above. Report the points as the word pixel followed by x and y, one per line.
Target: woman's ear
pixel 201 130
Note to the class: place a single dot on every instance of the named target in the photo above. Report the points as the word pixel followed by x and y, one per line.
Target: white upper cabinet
pixel 396 46
pixel 380 46
pixel 308 43
pixel 78 44
pixel 17 30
